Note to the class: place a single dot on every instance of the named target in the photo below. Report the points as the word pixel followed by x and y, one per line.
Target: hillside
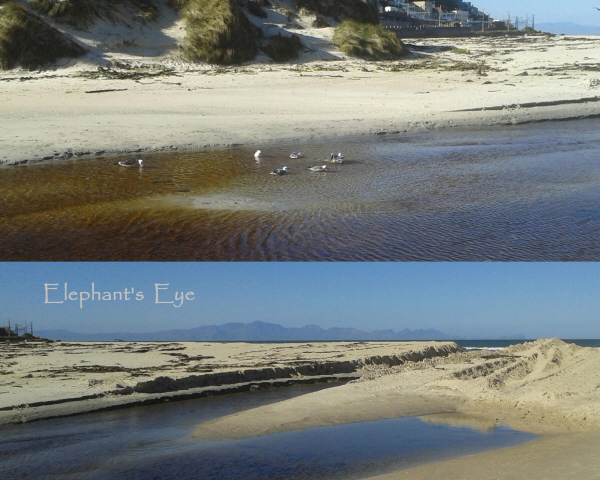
pixel 253 332
pixel 172 33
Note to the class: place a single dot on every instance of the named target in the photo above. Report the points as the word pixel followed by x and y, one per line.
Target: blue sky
pixel 579 11
pixel 471 300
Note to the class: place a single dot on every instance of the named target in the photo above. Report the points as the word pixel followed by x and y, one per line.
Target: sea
pixel 510 193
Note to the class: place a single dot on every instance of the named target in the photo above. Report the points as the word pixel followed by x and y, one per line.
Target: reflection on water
pixel 519 193
pixel 153 442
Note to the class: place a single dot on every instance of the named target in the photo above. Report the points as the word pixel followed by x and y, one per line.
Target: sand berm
pixel 547 387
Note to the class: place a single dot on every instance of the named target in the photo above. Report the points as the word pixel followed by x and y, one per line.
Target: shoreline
pixel 49 380
pixel 75 112
pixel 546 387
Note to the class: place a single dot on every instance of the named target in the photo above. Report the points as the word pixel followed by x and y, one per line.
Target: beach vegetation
pixel 29 42
pixel 255 9
pixel 83 13
pixel 78 13
pixel 363 11
pixel 281 48
pixel 148 13
pixel 218 31
pixel 367 41
pixel 320 22
pixel 460 50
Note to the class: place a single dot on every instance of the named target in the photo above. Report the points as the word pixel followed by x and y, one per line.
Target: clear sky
pixel 578 11
pixel 471 300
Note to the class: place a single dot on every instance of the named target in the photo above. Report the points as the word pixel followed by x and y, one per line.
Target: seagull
pixel 318 168
pixel 132 162
pixel 295 155
pixel 257 154
pixel 280 171
pixel 336 158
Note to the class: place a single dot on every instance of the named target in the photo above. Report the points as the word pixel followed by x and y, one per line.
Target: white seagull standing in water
pixel 132 162
pixel 257 154
pixel 318 168
pixel 296 155
pixel 280 171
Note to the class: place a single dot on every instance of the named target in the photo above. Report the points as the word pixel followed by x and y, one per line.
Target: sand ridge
pixel 54 379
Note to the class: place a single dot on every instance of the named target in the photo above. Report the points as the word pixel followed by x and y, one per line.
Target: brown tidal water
pixel 516 193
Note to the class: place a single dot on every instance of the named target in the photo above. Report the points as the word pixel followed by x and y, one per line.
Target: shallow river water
pixel 154 443
pixel 511 193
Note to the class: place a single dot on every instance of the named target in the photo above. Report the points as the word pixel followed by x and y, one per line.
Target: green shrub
pixel 29 42
pixel 370 42
pixel 460 50
pixel 218 31
pixel 363 11
pixel 282 49
pixel 529 30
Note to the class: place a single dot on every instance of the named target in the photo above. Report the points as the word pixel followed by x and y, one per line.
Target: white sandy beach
pixel 58 113
pixel 547 387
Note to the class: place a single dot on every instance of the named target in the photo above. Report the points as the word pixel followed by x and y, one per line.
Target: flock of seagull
pixel 334 158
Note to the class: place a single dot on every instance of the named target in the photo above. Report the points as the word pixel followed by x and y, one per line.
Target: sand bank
pixel 547 388
pixel 41 380
pixel 76 111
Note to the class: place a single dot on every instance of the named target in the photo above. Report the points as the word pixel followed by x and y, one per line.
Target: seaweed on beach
pixel 218 31
pixel 367 41
pixel 29 42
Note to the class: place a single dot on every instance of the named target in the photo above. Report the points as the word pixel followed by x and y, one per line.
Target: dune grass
pixel 29 42
pixel 79 13
pixel 255 9
pixel 363 11
pixel 218 31
pixel 83 13
pixel 281 48
pixel 367 41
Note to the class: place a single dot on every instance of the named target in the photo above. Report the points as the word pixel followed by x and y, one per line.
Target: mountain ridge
pixel 252 332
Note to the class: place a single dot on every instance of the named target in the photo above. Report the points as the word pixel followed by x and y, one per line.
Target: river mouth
pixel 154 442
pixel 531 193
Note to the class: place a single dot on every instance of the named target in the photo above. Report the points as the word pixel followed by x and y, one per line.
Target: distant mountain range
pixel 568 28
pixel 249 332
